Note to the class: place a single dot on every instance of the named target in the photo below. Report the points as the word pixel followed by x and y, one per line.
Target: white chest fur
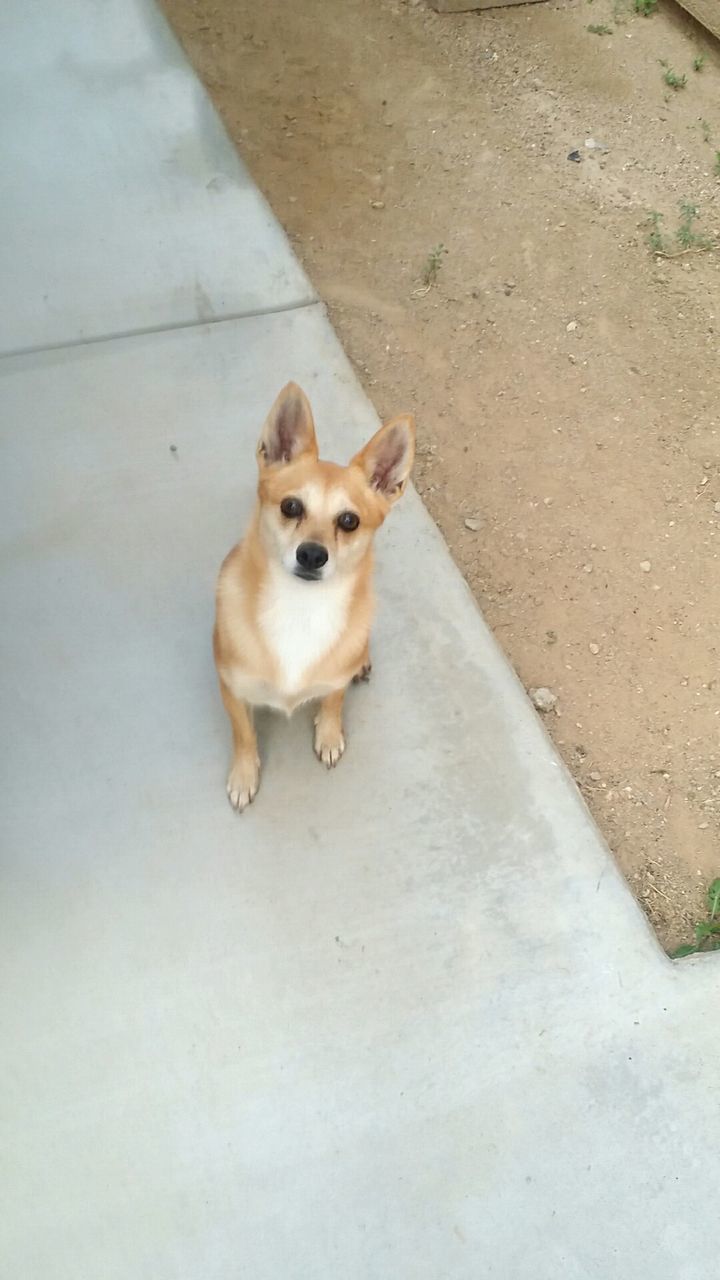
pixel 301 621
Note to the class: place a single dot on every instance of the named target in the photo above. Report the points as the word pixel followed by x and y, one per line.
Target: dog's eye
pixel 348 521
pixel 292 508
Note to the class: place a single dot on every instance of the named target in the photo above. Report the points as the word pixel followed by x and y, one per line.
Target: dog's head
pixel 318 519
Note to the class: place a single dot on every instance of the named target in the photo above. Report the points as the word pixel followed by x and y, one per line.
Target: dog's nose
pixel 311 556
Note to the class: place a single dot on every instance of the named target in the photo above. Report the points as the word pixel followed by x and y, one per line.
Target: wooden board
pixel 462 6
pixel 706 11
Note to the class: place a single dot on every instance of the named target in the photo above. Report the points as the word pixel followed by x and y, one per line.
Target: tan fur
pixel 282 641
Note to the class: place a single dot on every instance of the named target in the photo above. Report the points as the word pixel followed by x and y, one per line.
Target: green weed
pixel 433 264
pixel 430 270
pixel 685 239
pixel 646 7
pixel 707 931
pixel 599 29
pixel 673 80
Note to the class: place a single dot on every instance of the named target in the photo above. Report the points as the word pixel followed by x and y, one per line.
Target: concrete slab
pixel 401 1020
pixel 122 204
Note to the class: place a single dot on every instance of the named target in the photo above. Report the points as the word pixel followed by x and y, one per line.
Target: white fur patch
pixel 258 693
pixel 301 621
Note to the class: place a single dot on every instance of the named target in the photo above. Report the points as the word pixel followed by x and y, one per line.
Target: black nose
pixel 311 556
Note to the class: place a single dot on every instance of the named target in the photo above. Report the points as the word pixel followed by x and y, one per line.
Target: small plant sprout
pixel 699 62
pixel 645 7
pixel 716 166
pixel 673 80
pixel 707 931
pixel 705 130
pixel 685 235
pixel 599 29
pixel 430 270
pixel 433 264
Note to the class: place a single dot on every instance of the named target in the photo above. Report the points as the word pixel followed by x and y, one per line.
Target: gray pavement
pixel 402 1020
pixel 124 207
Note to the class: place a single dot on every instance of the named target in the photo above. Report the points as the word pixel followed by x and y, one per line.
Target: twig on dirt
pixel 662 895
pixel 679 253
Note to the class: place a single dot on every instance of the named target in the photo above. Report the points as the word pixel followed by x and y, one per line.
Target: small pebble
pixel 594 776
pixel 645 565
pixel 717 507
pixel 377 204
pixel 587 568
pixel 594 648
pixel 472 525
pixel 571 327
pixel 543 699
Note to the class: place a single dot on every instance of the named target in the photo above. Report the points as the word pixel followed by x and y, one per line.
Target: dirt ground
pixel 565 379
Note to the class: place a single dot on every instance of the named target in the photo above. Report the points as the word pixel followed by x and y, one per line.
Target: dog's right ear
pixel 289 429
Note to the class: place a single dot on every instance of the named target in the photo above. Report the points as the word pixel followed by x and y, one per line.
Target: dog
pixel 294 601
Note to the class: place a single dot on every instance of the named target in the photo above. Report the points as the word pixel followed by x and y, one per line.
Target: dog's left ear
pixel 289 429
pixel 387 459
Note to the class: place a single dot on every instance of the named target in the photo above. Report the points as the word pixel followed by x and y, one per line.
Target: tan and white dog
pixel 294 598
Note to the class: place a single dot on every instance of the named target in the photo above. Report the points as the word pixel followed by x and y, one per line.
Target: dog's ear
pixel 289 429
pixel 387 459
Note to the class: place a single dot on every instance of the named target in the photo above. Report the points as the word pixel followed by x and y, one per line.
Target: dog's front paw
pixel 329 743
pixel 363 675
pixel 243 782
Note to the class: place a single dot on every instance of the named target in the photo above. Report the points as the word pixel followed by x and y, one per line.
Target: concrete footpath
pixel 400 1022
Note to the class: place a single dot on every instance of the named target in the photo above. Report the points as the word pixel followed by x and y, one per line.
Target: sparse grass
pixel 599 29
pixel 705 130
pixel 646 7
pixel 685 239
pixel 716 166
pixel 699 62
pixel 707 931
pixel 672 79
